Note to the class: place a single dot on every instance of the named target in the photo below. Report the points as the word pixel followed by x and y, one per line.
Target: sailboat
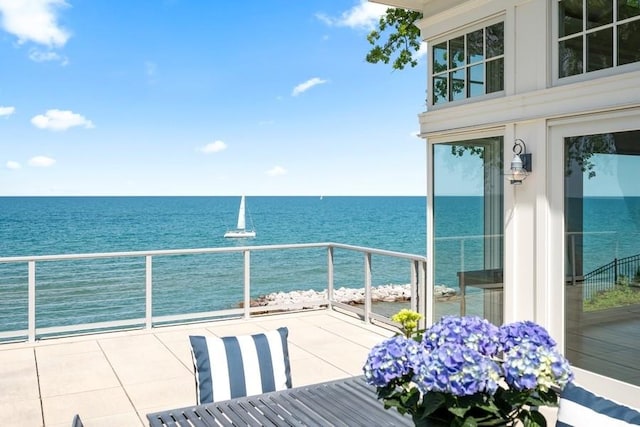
pixel 241 230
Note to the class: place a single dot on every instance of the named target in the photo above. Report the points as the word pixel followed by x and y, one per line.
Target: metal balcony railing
pixel 53 295
pixel 619 271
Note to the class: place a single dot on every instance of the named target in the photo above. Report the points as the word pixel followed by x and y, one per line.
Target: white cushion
pixel 238 366
pixel 581 408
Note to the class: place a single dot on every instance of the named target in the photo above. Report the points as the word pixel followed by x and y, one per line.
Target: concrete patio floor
pixel 115 379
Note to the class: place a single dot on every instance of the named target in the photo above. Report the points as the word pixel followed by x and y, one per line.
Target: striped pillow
pixel 239 366
pixel 580 407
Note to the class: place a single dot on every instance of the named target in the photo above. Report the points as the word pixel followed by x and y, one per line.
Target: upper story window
pixel 597 34
pixel 469 65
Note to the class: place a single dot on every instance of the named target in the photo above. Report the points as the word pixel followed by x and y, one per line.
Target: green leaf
pixel 431 402
pixel 403 38
pixel 533 418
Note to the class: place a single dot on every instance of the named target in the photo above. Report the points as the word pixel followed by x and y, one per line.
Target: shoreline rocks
pixel 383 293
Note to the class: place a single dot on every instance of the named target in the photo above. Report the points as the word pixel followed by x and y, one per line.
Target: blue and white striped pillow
pixel 582 408
pixel 238 366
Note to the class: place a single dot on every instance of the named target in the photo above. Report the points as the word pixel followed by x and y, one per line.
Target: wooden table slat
pixel 344 403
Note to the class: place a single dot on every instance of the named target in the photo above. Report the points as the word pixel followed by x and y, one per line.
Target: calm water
pixel 98 290
pixel 58 225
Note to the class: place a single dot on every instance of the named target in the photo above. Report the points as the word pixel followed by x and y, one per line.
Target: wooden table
pixel 349 402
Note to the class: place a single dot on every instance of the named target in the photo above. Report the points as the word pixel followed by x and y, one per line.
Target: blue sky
pixel 178 97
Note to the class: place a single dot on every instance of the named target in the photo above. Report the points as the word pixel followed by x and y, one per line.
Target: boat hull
pixel 239 234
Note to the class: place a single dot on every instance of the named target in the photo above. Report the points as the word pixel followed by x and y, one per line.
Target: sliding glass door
pixel 468 223
pixel 602 253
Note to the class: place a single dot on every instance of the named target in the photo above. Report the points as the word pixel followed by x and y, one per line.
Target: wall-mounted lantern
pixel 520 164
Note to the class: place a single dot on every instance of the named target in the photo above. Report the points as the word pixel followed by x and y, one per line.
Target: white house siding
pixel 538 108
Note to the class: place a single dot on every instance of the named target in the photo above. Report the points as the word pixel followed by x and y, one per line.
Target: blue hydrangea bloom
pixel 391 359
pixel 529 366
pixel 466 356
pixel 470 331
pixel 516 333
pixel 458 370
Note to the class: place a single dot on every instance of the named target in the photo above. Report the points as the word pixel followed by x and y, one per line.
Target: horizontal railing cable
pixel 50 295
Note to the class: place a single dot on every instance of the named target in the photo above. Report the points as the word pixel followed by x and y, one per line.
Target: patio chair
pixel 238 366
pixel 579 407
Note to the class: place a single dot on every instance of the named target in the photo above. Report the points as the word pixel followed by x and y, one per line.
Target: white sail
pixel 241 231
pixel 241 220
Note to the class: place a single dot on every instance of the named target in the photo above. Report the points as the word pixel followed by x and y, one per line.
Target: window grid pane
pixel 476 80
pixel 457 79
pixel 628 42
pixel 597 34
pixel 599 13
pixel 468 65
pixel 570 57
pixel 456 52
pixel 495 75
pixel 600 49
pixel 440 58
pixel 570 21
pixel 475 47
pixel 495 40
pixel 628 9
pixel 440 89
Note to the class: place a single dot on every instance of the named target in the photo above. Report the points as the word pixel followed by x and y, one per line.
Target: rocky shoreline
pixel 310 298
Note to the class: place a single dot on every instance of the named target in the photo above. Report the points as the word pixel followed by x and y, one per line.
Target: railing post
pixel 367 286
pixel 247 284
pixel 615 271
pixel 31 334
pixel 425 298
pixel 330 271
pixel 573 260
pixel 419 291
pixel 413 289
pixel 462 254
pixel 148 277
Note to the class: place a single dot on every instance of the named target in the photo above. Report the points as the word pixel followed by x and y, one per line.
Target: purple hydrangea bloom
pixel 516 333
pixel 470 331
pixel 391 359
pixel 529 366
pixel 458 370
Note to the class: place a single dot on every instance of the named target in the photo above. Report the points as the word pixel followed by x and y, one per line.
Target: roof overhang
pixel 403 4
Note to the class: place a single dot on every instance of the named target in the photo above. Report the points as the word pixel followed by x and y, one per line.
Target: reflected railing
pixel 594 261
pixel 472 266
pixel 53 295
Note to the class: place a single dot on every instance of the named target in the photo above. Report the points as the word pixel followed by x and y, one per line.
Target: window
pixel 597 34
pixel 468 194
pixel 469 65
pixel 602 256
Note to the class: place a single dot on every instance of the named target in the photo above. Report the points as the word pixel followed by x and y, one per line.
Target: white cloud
pixel 7 111
pixel 38 55
pixel 364 15
pixel 41 161
pixel 34 20
pixel 422 51
pixel 277 171
pixel 13 165
pixel 214 147
pixel 303 87
pixel 57 120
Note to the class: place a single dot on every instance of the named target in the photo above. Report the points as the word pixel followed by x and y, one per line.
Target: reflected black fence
pixel 623 271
